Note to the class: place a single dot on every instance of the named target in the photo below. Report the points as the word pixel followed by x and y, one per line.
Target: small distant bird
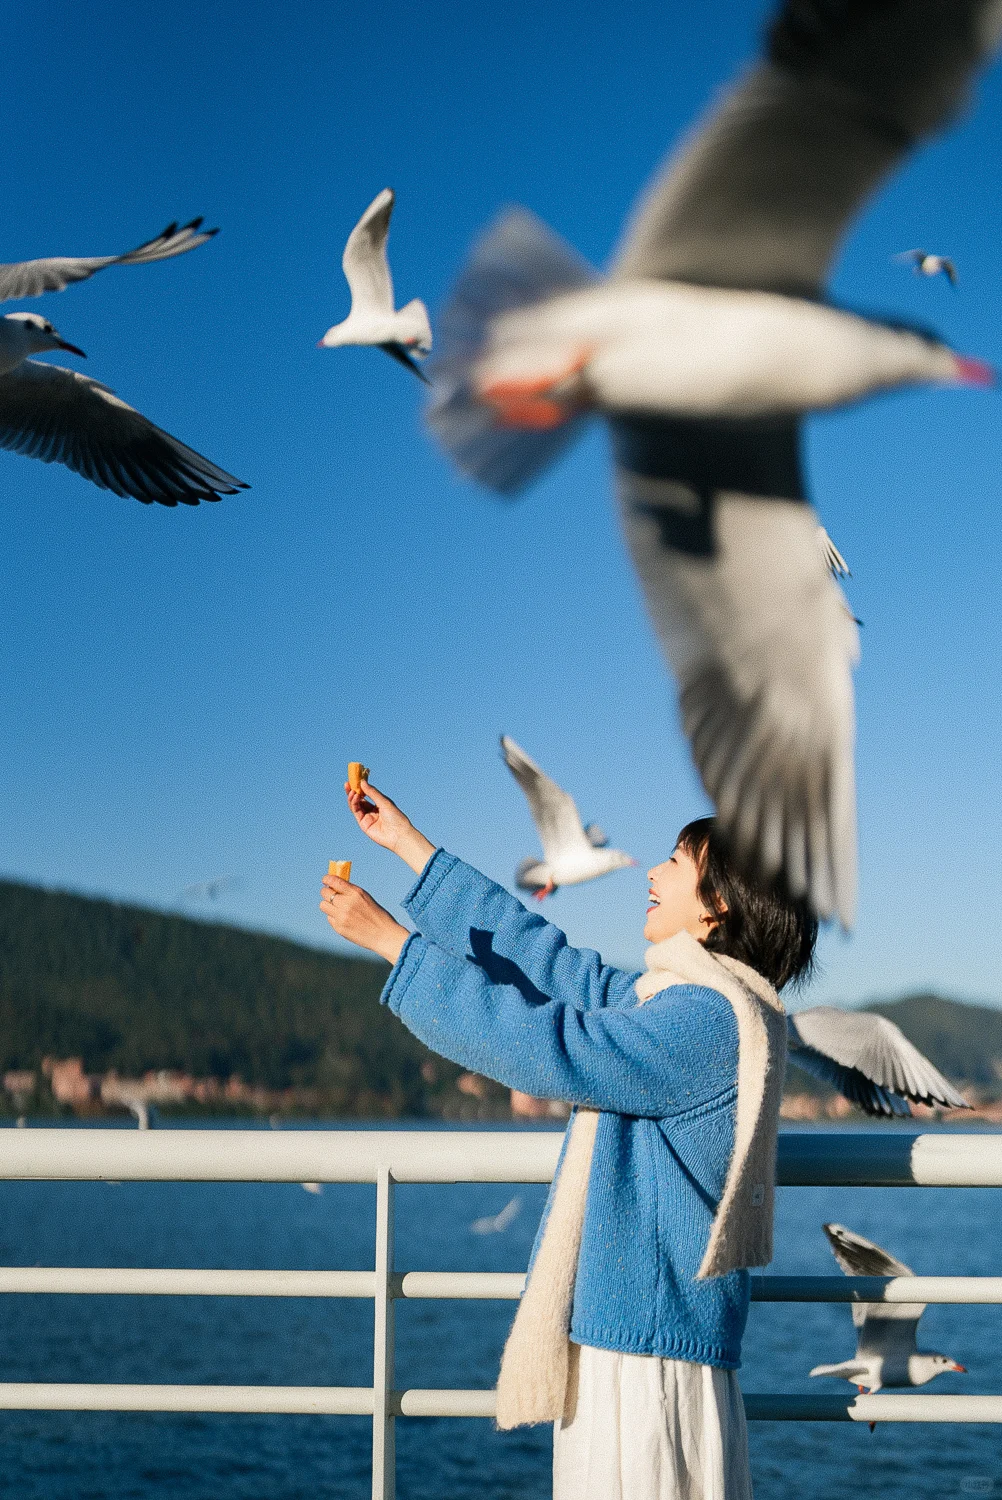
pixel 868 1059
pixel 886 1353
pixel 924 264
pixel 498 1223
pixel 572 853
pixel 210 890
pixel 832 557
pixel 702 349
pixel 59 416
pixel 141 1110
pixel 404 334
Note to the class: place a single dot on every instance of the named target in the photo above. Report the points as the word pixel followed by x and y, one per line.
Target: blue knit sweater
pixel 500 991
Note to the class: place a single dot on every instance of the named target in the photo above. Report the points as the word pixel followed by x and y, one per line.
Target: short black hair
pixel 758 923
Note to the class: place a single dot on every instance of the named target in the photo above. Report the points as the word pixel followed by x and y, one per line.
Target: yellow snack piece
pixel 357 773
pixel 339 867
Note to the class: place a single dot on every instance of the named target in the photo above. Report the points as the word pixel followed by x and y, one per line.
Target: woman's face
pixel 674 901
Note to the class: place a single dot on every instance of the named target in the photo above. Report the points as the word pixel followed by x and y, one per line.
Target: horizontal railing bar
pixel 313 1400
pixel 128 1281
pixel 278 1155
pixel 816 1158
pixel 479 1285
pixel 308 1400
pixel 461 1285
pixel 883 1407
pixel 981 1289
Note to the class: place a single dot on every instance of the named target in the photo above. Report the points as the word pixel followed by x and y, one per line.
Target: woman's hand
pixel 383 822
pixel 354 915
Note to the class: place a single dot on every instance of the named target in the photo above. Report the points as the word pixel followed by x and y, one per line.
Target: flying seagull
pixel 867 1059
pixel 703 347
pixel 924 264
pixel 886 1353
pixel 404 334
pixel 63 417
pixel 499 1222
pixel 572 853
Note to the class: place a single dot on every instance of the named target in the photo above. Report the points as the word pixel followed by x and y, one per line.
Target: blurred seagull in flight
pixel 63 417
pixel 499 1222
pixel 924 264
pixel 703 347
pixel 572 853
pixel 404 334
pixel 886 1351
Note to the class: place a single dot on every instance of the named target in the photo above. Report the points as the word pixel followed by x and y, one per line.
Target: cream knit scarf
pixel 534 1384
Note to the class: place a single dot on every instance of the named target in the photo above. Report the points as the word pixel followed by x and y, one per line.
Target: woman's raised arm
pixel 471 916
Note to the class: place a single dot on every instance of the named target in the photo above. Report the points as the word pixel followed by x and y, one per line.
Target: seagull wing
pixel 30 278
pixel 758 636
pixel 364 262
pixel 62 417
pixel 882 1326
pixel 867 1058
pixel 553 811
pixel 763 191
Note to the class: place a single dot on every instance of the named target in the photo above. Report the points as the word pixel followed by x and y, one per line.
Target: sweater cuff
pixel 403 972
pixel 425 887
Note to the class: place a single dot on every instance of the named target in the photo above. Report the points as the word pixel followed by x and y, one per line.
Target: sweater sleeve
pixel 669 1056
pixel 470 916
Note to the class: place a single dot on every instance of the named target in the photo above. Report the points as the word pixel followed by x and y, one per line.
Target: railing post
pixel 383 1446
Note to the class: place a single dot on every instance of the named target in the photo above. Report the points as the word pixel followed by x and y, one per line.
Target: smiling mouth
pixel 652 901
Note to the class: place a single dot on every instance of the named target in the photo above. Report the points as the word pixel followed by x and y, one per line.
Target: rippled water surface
pixel 94 1456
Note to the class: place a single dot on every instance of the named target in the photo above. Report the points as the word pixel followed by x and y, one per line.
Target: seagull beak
pixel 70 348
pixel 974 371
pixel 960 1369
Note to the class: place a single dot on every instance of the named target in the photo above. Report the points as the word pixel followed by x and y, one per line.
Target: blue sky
pixel 183 689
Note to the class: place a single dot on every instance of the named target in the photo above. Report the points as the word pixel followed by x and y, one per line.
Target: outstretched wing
pixel 62 417
pixel 758 636
pixel 764 189
pixel 364 262
pixel 553 811
pixel 29 278
pixel 881 1325
pixel 868 1059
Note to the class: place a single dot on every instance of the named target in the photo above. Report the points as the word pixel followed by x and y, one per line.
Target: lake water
pixel 95 1456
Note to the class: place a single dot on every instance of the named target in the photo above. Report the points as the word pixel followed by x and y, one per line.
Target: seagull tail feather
pixel 517 262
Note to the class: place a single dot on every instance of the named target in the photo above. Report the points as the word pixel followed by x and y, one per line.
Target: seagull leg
pixel 534 402
pixel 544 891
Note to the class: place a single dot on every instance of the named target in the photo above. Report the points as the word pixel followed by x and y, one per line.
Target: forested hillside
pixel 133 990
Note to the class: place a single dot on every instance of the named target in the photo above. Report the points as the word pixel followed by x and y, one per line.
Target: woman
pixel 629 1331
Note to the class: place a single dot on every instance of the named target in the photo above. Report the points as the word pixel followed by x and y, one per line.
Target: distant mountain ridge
pixel 131 989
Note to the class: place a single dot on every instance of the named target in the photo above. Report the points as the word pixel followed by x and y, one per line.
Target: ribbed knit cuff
pixel 403 972
pixel 424 888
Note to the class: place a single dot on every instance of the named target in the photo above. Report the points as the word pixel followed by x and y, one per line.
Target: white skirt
pixel 646 1428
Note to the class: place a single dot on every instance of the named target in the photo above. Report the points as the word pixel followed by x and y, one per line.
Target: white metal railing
pixel 388 1157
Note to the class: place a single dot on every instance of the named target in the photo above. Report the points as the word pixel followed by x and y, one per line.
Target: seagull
pixel 886 1354
pixel 924 264
pixel 702 348
pixel 61 416
pixel 141 1110
pixel 211 890
pixel 404 334
pixel 498 1223
pixel 572 853
pixel 867 1059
